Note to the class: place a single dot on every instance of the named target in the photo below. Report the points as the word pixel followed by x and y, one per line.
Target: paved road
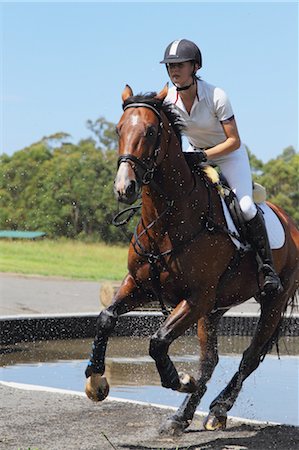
pixel 45 295
pixel 54 421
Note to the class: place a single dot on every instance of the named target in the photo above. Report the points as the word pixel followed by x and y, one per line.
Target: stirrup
pixel 272 281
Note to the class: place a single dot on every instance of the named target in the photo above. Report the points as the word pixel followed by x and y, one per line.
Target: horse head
pixel 139 131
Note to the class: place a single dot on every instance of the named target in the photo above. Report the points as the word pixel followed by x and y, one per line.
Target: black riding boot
pixel 258 238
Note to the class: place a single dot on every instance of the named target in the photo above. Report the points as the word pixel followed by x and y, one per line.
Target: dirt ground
pixel 39 420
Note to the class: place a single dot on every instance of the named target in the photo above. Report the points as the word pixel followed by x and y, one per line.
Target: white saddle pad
pixel 274 227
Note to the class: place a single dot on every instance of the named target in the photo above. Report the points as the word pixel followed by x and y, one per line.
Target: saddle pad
pixel 274 227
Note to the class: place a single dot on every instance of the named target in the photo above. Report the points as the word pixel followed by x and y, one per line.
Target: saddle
pixel 219 181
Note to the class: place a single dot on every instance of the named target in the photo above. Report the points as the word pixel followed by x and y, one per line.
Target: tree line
pixel 66 189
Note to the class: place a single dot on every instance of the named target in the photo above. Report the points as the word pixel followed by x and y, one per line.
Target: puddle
pixel 271 393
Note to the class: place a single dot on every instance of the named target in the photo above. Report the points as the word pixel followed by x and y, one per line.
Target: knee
pixel 248 208
pixel 106 322
pixel 158 346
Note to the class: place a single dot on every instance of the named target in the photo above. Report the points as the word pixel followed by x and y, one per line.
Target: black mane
pixel 150 99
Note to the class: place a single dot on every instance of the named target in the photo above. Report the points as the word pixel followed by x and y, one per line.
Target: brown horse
pixel 181 253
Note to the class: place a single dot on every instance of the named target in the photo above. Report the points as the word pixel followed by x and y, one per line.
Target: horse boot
pixel 258 238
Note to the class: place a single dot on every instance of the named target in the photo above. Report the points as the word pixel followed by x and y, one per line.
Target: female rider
pixel 212 132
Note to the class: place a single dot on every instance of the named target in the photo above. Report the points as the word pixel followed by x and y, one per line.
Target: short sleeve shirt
pixel 203 125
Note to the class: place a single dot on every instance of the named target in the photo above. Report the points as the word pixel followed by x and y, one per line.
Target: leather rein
pixel 144 172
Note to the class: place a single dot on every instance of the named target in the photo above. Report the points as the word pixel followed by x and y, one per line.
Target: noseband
pixel 144 172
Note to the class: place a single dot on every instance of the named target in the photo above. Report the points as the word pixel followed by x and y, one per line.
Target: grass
pixel 64 258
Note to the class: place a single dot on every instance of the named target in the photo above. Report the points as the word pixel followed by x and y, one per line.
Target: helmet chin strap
pixel 184 88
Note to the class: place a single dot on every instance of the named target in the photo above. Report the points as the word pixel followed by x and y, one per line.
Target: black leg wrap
pixel 97 357
pixel 168 373
pixel 105 324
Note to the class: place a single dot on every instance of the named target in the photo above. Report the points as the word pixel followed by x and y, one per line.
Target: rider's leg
pixel 258 237
pixel 235 167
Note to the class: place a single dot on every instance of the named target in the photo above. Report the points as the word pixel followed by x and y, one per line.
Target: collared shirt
pixel 211 106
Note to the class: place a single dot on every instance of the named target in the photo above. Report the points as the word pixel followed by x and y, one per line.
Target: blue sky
pixel 65 63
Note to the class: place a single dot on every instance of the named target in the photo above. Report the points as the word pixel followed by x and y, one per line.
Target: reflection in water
pixel 126 346
pixel 270 393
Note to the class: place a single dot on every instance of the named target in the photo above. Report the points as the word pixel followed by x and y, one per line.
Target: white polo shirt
pixel 211 106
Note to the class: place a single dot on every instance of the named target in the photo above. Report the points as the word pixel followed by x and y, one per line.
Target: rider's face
pixel 181 73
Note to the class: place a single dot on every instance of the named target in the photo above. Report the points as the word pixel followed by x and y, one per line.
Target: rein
pixel 146 177
pixel 148 172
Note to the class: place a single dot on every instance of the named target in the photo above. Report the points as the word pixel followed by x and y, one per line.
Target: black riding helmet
pixel 180 51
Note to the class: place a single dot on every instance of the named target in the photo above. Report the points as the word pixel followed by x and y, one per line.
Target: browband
pixel 144 105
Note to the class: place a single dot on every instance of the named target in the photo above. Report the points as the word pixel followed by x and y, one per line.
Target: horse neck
pixel 173 176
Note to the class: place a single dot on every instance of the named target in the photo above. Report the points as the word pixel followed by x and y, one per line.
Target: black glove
pixel 201 156
pixel 194 159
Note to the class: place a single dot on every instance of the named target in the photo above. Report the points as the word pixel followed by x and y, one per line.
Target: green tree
pixel 19 184
pixel 281 178
pixel 255 164
pixel 288 154
pixel 105 133
pixel 77 182
pixel 62 188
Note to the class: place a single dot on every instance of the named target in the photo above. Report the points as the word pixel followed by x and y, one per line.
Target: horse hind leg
pixel 263 339
pixel 207 335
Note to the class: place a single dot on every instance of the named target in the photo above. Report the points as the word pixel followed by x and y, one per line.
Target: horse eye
pixel 150 132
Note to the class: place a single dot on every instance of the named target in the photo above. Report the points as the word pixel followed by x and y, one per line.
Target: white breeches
pixel 236 169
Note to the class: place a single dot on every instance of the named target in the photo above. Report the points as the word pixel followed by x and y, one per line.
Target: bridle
pixel 144 172
pixel 145 175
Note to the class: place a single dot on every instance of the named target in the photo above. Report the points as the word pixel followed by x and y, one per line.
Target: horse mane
pixel 168 109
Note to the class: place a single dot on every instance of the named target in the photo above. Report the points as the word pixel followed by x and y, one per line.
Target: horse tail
pixel 286 325
pixel 293 302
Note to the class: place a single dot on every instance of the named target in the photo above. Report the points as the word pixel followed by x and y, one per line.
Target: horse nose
pixel 125 185
pixel 128 193
pixel 131 189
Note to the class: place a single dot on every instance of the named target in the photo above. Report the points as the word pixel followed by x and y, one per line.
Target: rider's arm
pixel 231 143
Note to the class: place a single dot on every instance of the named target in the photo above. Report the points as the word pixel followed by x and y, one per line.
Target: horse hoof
pixel 97 387
pixel 173 427
pixel 188 383
pixel 213 423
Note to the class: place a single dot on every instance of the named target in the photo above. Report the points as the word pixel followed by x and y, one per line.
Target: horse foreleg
pixel 207 335
pixel 261 343
pixel 127 298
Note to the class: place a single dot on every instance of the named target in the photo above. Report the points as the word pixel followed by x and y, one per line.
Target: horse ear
pixel 127 92
pixel 162 95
